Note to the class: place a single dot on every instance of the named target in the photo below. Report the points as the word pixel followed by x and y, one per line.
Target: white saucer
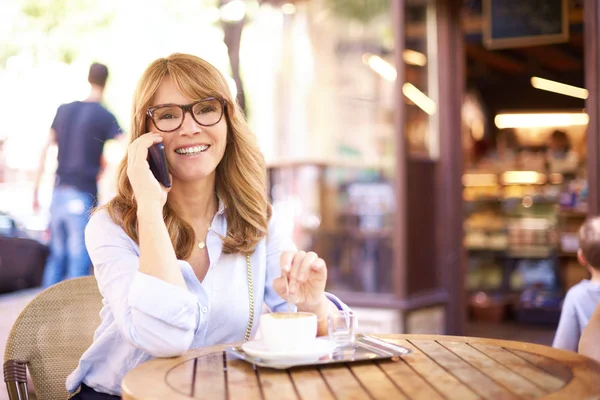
pixel 313 351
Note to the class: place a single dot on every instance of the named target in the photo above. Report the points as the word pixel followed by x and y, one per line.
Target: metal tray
pixel 366 348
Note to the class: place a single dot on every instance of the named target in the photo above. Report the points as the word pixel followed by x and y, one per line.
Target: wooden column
pixel 450 253
pixel 400 229
pixel 592 65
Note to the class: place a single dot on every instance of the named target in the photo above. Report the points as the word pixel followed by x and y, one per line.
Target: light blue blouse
pixel 144 317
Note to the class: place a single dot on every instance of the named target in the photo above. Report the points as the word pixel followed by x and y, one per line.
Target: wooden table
pixel 439 367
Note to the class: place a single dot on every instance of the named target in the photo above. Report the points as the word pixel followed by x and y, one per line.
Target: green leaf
pixel 358 10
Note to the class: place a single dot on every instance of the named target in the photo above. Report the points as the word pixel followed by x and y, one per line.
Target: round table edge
pixel 584 368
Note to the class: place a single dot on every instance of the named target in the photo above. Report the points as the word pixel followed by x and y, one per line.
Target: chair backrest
pixel 50 335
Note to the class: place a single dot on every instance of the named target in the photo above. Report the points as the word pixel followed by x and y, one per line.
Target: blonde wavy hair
pixel 240 180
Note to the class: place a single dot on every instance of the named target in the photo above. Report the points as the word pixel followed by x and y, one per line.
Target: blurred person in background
pixel 509 148
pixel 582 298
pixel 502 150
pixel 80 130
pixel 560 157
pixel 177 267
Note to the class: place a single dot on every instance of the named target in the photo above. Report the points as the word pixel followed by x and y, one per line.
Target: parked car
pixel 22 257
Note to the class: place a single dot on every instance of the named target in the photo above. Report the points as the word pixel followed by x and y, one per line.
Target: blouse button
pixel 204 309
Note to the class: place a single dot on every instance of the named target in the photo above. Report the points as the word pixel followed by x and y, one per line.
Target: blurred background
pixel 409 142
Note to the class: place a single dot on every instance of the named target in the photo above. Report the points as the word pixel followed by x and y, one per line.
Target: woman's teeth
pixel 192 150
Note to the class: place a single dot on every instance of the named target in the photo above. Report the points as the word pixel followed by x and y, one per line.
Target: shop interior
pixel 525 175
pixel 524 182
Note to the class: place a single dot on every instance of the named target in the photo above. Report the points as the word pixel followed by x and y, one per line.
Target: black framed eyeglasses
pixel 169 117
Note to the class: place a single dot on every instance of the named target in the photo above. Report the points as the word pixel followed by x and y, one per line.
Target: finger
pixel 144 142
pixel 149 138
pixel 318 265
pixel 280 286
pixel 294 271
pixel 138 150
pixel 305 266
pixel 319 268
pixel 285 261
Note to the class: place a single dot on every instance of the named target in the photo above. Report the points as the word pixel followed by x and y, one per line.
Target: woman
pixel 178 267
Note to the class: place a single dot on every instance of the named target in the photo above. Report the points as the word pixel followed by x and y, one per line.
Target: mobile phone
pixel 158 164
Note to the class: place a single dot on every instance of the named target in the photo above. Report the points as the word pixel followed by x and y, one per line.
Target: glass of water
pixel 342 327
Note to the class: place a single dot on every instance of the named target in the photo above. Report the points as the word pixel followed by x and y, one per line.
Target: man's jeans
pixel 69 215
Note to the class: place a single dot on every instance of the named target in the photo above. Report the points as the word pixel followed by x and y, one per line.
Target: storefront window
pixel 420 86
pixel 525 183
pixel 335 132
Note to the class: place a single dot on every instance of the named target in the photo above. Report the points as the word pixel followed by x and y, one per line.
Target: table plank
pixel 181 376
pixel 411 383
pixel 376 382
pixel 210 380
pixel 548 383
pixel 498 372
pixel 443 381
pixel 466 373
pixel 310 384
pixel 342 383
pixel 276 384
pixel 242 382
pixel 553 367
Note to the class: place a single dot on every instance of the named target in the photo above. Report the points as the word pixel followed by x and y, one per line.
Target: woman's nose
pixel 189 126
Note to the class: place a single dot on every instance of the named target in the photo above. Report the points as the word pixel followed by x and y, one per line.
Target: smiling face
pixel 193 151
pixel 225 155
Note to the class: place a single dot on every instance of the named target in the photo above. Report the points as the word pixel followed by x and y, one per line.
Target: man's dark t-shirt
pixel 81 130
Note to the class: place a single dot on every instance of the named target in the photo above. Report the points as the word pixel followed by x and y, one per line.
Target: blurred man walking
pixel 80 130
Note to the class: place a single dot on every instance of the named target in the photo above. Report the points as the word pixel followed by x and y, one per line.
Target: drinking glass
pixel 342 327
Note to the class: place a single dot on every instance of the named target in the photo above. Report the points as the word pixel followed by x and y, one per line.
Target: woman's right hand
pixel 147 190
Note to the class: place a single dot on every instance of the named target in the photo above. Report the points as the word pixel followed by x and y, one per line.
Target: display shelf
pixel 537 315
pixel 486 251
pixel 570 213
pixel 531 253
pixel 567 254
pixel 539 219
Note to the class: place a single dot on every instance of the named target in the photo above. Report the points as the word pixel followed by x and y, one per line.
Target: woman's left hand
pixel 302 281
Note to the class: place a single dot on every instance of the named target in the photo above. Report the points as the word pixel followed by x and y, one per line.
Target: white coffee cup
pixel 288 331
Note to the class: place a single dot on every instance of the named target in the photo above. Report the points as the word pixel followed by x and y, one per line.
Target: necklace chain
pixel 202 243
pixel 251 298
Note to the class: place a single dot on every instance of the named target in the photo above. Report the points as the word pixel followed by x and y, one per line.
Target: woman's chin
pixel 197 176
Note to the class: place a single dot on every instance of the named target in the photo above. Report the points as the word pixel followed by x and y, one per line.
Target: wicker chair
pixel 49 337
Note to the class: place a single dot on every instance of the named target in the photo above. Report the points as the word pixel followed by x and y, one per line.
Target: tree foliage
pixel 362 11
pixel 50 29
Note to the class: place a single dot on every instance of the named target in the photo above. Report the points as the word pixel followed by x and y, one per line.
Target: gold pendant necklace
pixel 202 243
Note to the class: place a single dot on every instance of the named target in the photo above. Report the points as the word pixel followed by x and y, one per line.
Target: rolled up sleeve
pixel 337 302
pixel 155 316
